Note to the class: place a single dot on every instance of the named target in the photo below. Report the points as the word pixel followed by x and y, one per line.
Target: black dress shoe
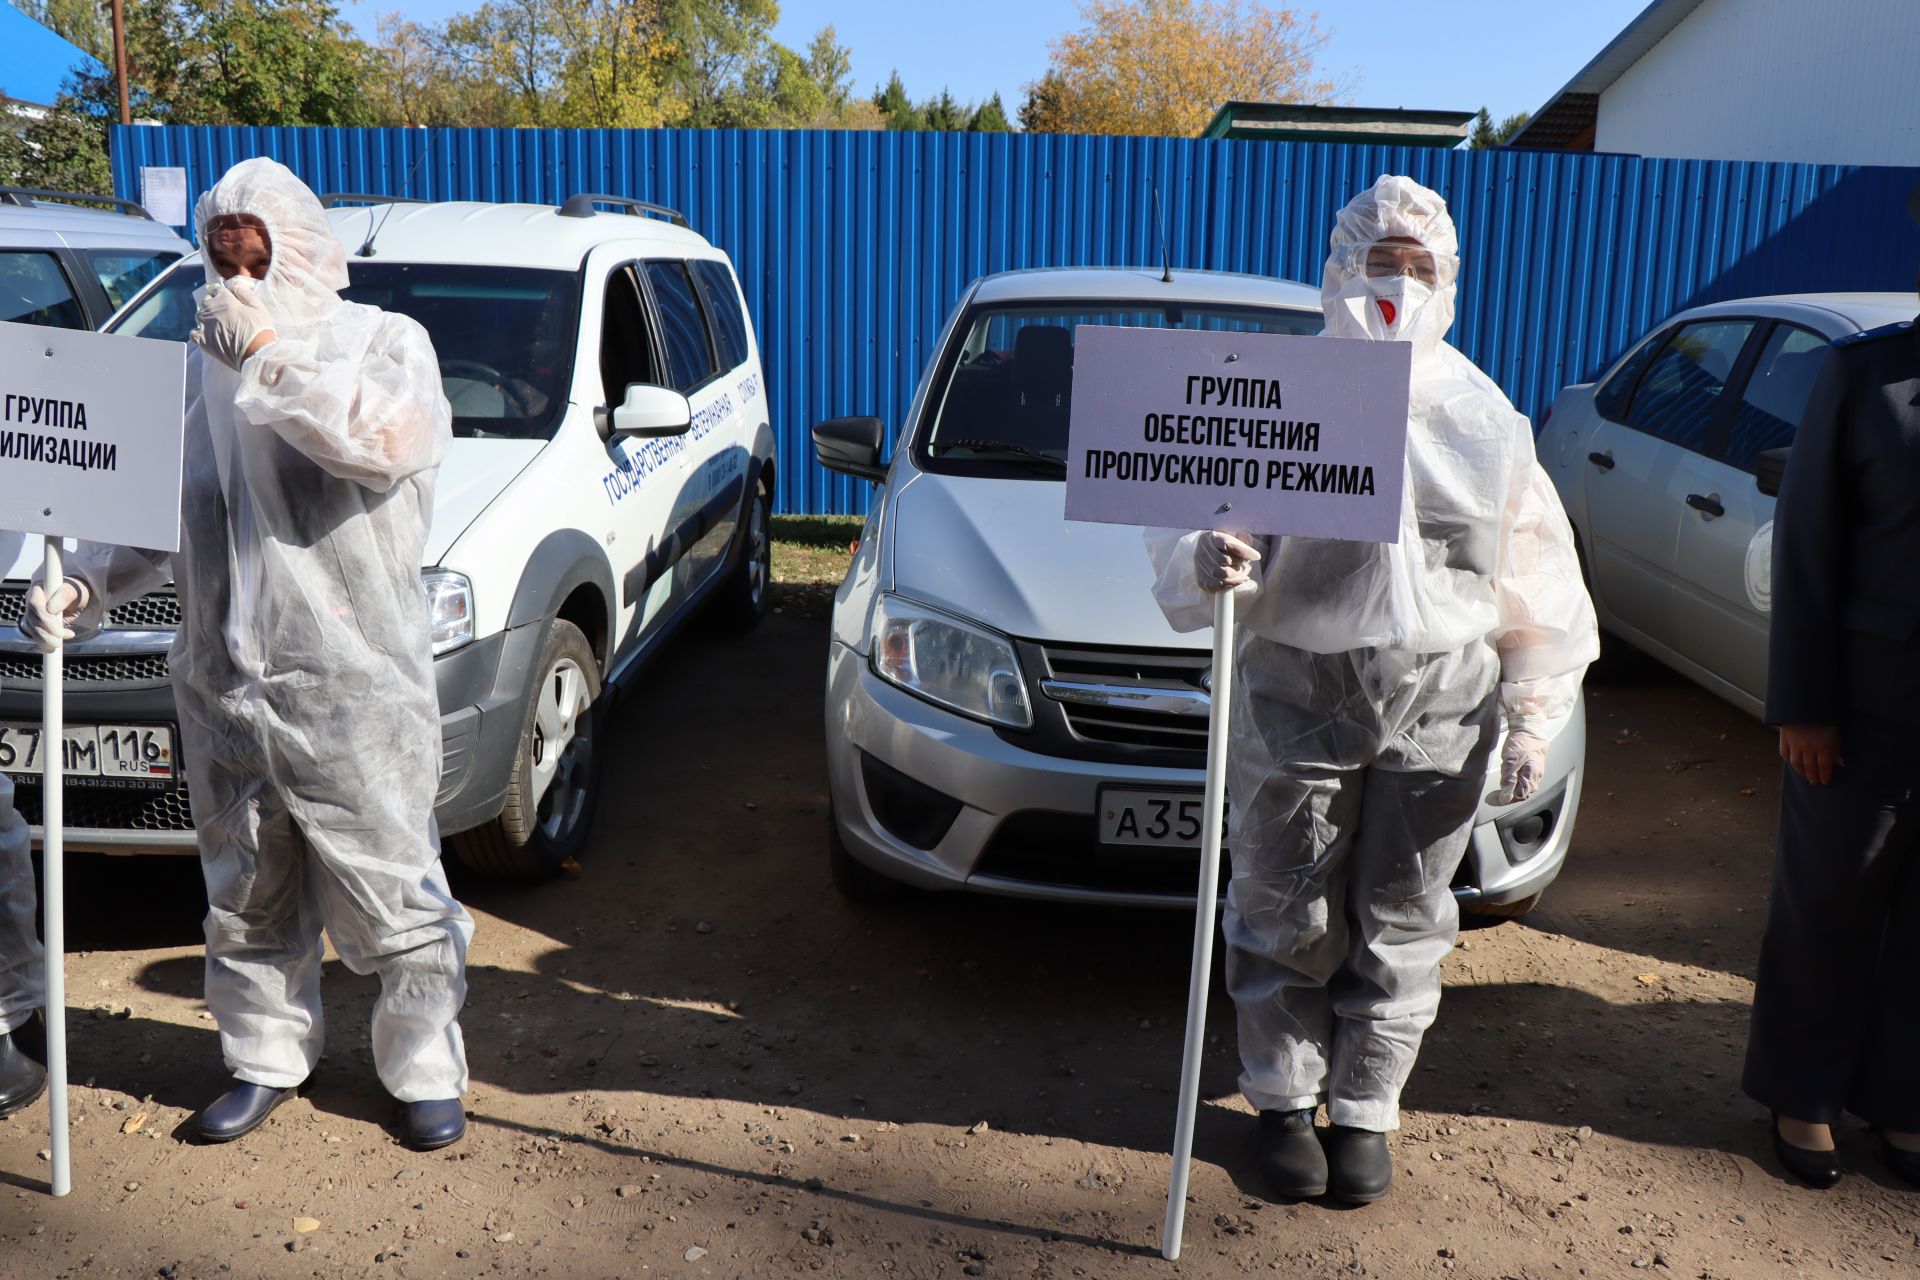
pixel 1290 1156
pixel 1820 1169
pixel 1359 1166
pixel 239 1111
pixel 22 1080
pixel 1902 1164
pixel 438 1123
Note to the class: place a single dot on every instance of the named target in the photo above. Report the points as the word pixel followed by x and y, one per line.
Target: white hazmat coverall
pixel 22 971
pixel 303 668
pixel 1369 682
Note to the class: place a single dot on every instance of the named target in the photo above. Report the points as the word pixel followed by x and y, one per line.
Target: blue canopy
pixel 33 60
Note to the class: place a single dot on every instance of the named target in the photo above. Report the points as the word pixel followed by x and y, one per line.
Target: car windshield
pixel 504 335
pixel 1005 394
pixel 125 272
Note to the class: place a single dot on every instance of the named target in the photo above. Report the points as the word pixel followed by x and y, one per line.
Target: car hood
pixel 473 475
pixel 1003 552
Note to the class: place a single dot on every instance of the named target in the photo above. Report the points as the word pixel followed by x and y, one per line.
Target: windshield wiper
pixel 1003 449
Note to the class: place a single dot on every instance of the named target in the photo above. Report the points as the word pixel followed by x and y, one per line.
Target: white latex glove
pixel 229 320
pixel 1220 561
pixel 49 617
pixel 1523 763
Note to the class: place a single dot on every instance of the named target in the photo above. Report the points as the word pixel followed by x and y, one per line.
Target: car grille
pixel 1116 673
pixel 21 670
pixel 155 611
pixel 1064 850
pixel 108 809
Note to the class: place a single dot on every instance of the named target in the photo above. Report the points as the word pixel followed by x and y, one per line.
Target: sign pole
pixel 53 899
pixel 1213 823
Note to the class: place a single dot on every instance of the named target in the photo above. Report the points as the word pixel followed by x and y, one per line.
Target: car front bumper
pixel 1023 824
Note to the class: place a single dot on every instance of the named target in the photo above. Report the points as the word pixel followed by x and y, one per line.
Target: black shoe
pixel 1359 1166
pixel 239 1111
pixel 1816 1168
pixel 22 1080
pixel 1904 1165
pixel 1290 1156
pixel 435 1124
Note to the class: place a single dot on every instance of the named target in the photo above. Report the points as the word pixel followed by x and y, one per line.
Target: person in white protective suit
pixel 1370 683
pixel 303 668
pixel 23 1077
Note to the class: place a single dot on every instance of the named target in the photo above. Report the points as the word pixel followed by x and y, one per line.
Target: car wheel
pixel 553 788
pixel 1506 910
pixel 749 592
pixel 856 881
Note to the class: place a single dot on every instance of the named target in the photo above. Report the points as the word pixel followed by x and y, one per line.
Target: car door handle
pixel 1709 503
pixel 1604 461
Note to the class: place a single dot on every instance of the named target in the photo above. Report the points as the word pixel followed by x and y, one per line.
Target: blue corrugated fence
pixel 853 247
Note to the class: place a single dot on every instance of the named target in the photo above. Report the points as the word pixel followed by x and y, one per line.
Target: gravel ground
pixel 694 1059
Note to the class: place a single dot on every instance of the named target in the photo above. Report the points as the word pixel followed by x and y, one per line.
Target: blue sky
pixel 1506 55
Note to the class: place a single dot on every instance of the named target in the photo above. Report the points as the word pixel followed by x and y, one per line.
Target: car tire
pixel 1506 910
pixel 748 592
pixel 856 881
pixel 549 809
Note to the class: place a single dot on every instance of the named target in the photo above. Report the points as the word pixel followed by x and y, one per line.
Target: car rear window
pixel 1776 394
pixel 1008 390
pixel 689 357
pixel 723 308
pixel 34 290
pixel 125 272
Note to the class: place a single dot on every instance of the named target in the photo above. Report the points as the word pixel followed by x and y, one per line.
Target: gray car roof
pixel 1133 284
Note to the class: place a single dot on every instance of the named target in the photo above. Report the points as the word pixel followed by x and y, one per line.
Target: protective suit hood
pixel 1394 207
pixel 309 266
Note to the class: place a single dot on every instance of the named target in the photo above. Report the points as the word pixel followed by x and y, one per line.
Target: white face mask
pixel 1386 308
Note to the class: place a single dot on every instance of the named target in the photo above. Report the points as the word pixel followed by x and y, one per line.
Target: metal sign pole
pixel 1214 820
pixel 53 900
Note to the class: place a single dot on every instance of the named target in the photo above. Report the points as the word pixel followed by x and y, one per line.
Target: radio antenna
pixel 1166 262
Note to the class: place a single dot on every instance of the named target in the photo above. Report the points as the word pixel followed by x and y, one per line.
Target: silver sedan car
pixel 1668 465
pixel 1007 710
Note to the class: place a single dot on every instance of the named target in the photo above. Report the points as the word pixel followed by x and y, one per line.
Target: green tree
pixel 718 48
pixel 1486 134
pixel 944 115
pixel 896 108
pixel 990 118
pixel 64 151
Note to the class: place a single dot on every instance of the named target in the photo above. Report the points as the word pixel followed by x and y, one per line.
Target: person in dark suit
pixel 1836 1012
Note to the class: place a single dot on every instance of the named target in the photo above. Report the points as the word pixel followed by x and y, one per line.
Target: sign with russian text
pixel 90 435
pixel 1247 432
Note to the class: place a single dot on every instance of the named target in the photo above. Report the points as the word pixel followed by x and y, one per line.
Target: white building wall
pixel 1825 81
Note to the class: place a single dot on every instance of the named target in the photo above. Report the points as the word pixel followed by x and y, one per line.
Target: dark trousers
pixel 1836 1011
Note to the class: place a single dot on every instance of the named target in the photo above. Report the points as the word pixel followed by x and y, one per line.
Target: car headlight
pixel 449 608
pixel 950 662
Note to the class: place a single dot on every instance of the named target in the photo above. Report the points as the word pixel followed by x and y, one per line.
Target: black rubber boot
pixel 435 1124
pixel 1291 1158
pixel 22 1079
pixel 1359 1166
pixel 239 1111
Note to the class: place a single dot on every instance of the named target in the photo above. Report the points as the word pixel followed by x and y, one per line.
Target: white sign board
pixel 90 435
pixel 1248 432
pixel 163 194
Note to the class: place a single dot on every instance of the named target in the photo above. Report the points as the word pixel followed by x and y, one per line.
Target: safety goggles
pixel 1385 260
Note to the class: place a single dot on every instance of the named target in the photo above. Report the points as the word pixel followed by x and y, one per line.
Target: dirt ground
pixel 695 1060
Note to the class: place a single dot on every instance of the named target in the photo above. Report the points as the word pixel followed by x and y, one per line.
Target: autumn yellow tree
pixel 1162 67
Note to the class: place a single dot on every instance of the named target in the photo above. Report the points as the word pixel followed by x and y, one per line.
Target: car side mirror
pixel 852 446
pixel 1769 469
pixel 651 412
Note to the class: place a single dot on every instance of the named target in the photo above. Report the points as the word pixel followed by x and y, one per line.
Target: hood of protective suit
pixel 1004 553
pixel 309 266
pixel 1397 308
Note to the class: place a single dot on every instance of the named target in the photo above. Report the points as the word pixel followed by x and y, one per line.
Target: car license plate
pixel 135 755
pixel 1153 819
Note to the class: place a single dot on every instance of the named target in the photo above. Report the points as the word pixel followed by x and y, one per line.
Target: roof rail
pixel 582 206
pixel 335 199
pixel 28 197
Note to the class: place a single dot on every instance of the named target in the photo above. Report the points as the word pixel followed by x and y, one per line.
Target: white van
pixel 612 472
